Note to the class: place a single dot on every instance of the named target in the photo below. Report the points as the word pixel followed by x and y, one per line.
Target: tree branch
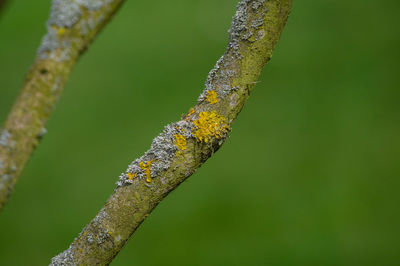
pixel 185 145
pixel 71 28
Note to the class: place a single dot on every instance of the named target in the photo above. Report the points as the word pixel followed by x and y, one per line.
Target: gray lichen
pixel 243 28
pixel 49 43
pixel 5 178
pixel 256 4
pixel 65 14
pixel 63 259
pixel 93 4
pixel 103 237
pixel 214 75
pixel 42 132
pixel 257 23
pixel 89 238
pixel 4 137
pixel 239 26
pixel 99 217
pixel 161 152
pixel 240 29
pixel 217 79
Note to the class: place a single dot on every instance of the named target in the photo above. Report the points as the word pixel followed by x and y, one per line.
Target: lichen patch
pixel 132 176
pixel 61 31
pixel 146 168
pixel 180 142
pixel 212 97
pixel 64 258
pixel 209 125
pixel 4 136
pixel 65 17
pixel 189 115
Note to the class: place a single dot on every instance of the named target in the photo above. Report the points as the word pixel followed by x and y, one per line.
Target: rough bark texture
pixel 184 146
pixel 72 26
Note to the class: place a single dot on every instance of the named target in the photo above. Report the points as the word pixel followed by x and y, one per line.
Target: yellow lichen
pixel 180 142
pixel 132 176
pixel 210 124
pixel 179 129
pixel 191 112
pixel 61 31
pixel 81 236
pixel 212 97
pixel 146 168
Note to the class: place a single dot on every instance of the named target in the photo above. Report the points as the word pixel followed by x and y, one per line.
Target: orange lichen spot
pixel 132 176
pixel 191 112
pixel 210 124
pixel 180 142
pixel 212 97
pixel 146 168
pixel 61 31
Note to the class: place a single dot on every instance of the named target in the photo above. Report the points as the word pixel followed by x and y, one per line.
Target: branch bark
pixel 185 145
pixel 71 28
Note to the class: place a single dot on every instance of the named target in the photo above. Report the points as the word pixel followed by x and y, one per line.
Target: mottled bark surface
pixel 185 145
pixel 72 26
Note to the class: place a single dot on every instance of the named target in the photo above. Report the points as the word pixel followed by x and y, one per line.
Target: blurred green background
pixel 310 175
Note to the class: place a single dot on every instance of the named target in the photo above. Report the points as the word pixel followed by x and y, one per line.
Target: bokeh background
pixel 309 176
